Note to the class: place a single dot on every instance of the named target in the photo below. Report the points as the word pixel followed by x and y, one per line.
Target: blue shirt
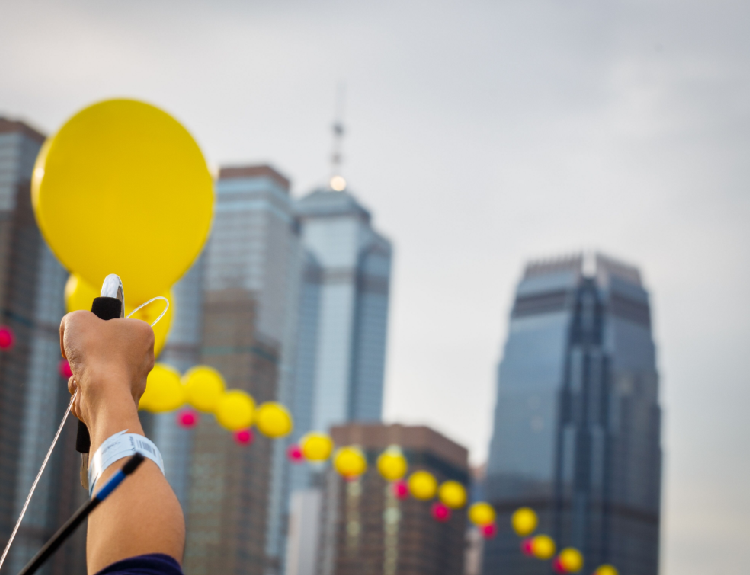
pixel 152 564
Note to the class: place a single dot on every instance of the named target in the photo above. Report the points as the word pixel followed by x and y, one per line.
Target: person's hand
pixel 110 360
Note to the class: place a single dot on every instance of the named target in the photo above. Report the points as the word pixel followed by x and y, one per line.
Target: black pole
pixel 79 516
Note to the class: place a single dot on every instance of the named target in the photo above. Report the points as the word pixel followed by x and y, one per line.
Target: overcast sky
pixel 481 134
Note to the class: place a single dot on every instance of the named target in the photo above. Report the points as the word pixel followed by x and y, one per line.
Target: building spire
pixel 337 182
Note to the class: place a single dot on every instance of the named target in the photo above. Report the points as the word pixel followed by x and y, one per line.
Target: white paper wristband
pixel 118 446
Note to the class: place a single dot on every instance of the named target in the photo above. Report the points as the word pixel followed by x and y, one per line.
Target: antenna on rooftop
pixel 337 182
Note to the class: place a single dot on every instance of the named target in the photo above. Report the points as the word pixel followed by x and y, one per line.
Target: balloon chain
pixel 36 480
pixel 54 442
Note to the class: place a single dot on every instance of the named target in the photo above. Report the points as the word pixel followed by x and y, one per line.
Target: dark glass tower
pixel 577 423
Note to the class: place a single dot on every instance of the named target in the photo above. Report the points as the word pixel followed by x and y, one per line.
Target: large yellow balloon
pixel 481 513
pixel 524 521
pixel 422 485
pixel 452 494
pixel 234 410
pixel 164 390
pixel 350 461
pixel 316 446
pixel 79 295
pixel 543 547
pixel 203 387
pixel 606 570
pixel 273 420
pixel 571 559
pixel 392 464
pixel 123 188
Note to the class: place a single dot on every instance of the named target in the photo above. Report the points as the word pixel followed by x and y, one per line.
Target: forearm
pixel 143 516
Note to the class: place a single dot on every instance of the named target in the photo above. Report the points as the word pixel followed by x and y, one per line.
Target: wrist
pixel 107 408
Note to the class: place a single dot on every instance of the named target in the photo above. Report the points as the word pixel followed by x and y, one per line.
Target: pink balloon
pixel 558 566
pixel 527 546
pixel 243 436
pixel 7 339
pixel 64 368
pixel 400 489
pixel 489 530
pixel 187 418
pixel 294 453
pixel 440 511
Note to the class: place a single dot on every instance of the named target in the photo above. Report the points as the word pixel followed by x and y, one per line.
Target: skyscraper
pixel 33 396
pixel 353 274
pixel 250 282
pixel 364 529
pixel 577 421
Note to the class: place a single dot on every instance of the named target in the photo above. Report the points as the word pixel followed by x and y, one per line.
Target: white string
pixel 36 480
pixel 161 315
pixel 54 442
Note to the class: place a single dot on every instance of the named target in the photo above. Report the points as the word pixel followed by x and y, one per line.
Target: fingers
pixel 62 335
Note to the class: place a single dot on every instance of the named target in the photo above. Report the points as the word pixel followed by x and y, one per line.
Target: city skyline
pixel 482 135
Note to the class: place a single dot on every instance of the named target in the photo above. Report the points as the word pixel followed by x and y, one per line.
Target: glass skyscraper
pixel 577 422
pixel 250 281
pixel 33 395
pixel 353 277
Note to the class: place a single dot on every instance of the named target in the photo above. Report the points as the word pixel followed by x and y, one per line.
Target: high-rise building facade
pixel 250 283
pixel 351 271
pixel 33 395
pixel 577 421
pixel 340 338
pixel 364 529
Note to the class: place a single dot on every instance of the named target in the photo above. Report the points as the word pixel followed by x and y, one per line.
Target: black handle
pixel 103 308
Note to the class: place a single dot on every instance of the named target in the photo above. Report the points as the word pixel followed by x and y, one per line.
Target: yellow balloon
pixel 524 521
pixel 273 420
pixel 164 390
pixel 571 559
pixel 543 547
pixel 316 446
pixel 422 485
pixel 606 570
pixel 203 387
pixel 481 513
pixel 452 494
pixel 79 295
pixel 392 464
pixel 123 188
pixel 350 461
pixel 234 410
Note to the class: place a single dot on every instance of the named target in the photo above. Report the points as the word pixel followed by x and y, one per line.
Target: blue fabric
pixel 153 564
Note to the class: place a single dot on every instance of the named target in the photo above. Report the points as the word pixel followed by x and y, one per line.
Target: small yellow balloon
pixel 79 295
pixel 234 410
pixel 452 494
pixel 392 464
pixel 571 559
pixel 273 420
pixel 606 570
pixel 203 387
pixel 164 390
pixel 481 513
pixel 350 461
pixel 122 187
pixel 543 547
pixel 316 446
pixel 524 521
pixel 422 485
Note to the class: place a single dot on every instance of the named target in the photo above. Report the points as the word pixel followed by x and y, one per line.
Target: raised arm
pixel 110 361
